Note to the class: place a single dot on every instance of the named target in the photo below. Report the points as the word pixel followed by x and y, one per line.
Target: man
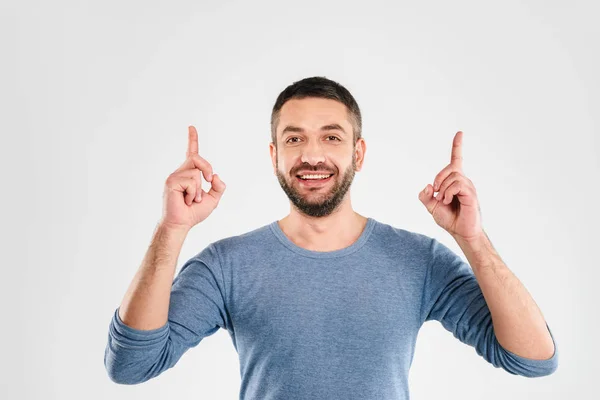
pixel 324 303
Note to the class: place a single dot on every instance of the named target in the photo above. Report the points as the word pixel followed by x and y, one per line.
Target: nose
pixel 312 153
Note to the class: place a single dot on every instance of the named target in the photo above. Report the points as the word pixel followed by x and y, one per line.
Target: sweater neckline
pixel 358 243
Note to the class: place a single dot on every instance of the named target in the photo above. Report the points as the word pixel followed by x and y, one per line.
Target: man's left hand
pixel 455 208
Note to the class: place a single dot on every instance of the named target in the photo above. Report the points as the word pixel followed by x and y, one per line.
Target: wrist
pixel 171 228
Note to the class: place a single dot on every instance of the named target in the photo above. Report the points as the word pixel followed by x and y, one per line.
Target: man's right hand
pixel 185 203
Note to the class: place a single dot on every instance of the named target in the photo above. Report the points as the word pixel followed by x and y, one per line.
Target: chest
pixel 348 303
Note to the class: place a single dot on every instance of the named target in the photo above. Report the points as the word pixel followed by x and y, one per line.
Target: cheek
pixel 286 163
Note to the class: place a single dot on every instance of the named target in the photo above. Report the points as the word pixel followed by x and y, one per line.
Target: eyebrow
pixel 330 127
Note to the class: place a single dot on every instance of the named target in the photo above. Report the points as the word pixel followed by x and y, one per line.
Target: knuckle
pixel 198 158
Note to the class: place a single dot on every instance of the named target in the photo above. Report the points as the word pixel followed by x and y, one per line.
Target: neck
pixel 335 231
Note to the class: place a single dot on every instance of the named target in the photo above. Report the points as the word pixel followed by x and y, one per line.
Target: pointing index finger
pixel 456 157
pixel 192 141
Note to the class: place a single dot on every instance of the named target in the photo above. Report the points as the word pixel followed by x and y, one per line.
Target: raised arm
pixel 142 318
pixel 453 296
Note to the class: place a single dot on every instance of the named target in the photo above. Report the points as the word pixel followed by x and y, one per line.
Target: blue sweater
pixel 321 325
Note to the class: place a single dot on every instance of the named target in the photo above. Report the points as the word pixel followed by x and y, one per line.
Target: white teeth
pixel 314 176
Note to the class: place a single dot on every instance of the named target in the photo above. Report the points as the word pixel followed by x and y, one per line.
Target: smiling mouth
pixel 314 181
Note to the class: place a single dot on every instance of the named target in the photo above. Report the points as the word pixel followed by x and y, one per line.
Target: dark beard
pixel 332 199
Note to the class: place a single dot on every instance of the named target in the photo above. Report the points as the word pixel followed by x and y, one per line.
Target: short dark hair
pixel 318 86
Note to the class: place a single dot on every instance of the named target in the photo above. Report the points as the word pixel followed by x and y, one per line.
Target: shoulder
pixel 388 234
pixel 400 245
pixel 418 242
pixel 244 245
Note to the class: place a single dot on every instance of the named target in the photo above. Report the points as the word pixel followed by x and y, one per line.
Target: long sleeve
pixel 452 296
pixel 196 310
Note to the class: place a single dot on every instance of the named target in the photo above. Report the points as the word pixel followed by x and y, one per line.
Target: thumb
pixel 217 188
pixel 426 197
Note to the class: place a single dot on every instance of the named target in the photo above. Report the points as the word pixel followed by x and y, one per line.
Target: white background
pixel 96 98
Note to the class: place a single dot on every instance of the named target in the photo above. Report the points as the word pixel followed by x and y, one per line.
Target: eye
pixel 335 137
pixel 293 137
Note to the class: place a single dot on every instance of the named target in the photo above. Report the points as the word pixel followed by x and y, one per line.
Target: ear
pixel 360 150
pixel 273 152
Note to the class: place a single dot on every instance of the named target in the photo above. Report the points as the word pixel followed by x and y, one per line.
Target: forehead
pixel 312 113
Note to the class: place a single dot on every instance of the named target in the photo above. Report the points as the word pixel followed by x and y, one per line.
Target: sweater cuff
pixel 124 332
pixel 548 364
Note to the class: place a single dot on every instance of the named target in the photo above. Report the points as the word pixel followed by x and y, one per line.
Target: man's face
pixel 315 140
